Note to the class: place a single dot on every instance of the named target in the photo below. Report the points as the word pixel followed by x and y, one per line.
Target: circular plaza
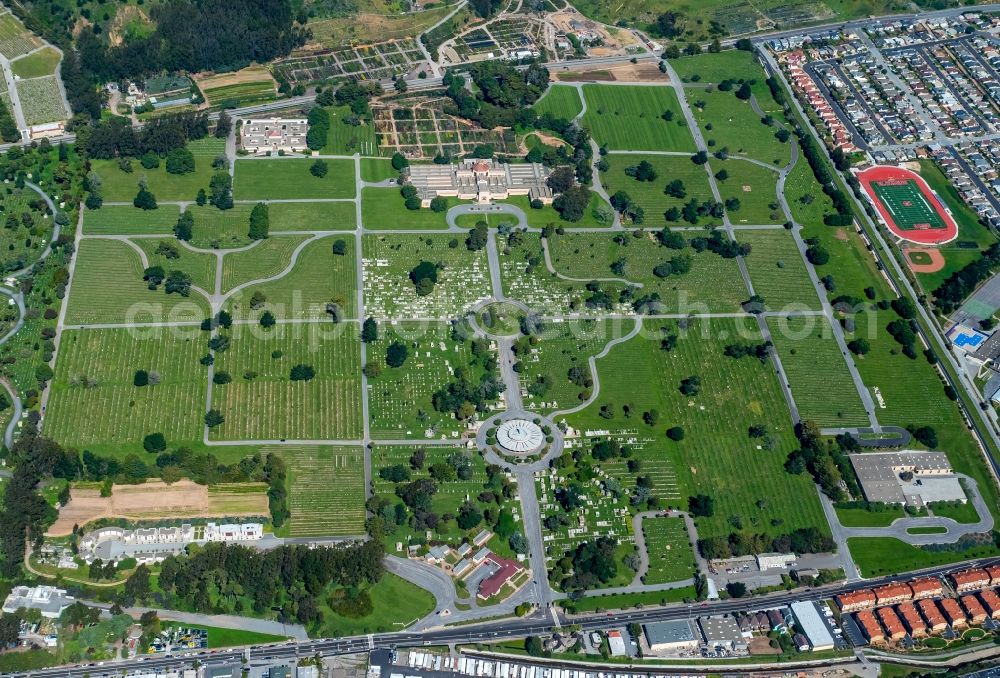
pixel 520 436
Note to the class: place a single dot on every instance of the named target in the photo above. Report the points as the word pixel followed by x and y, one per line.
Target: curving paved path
pixel 8 435
pixel 637 584
pixel 898 529
pixel 553 271
pixel 486 210
pixel 592 362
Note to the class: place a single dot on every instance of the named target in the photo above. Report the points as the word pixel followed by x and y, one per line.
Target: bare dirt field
pixel 157 500
pixel 242 77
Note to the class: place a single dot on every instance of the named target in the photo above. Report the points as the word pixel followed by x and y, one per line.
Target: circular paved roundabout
pixel 520 436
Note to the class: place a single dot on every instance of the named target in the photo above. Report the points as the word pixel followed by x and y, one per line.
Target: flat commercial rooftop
pixel 878 473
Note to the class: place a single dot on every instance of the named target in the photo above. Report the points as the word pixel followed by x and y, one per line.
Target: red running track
pixel 929 236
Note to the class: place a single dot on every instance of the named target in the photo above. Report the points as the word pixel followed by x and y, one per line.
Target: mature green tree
pixel 396 354
pixel 260 222
pixel 154 442
pixel 369 330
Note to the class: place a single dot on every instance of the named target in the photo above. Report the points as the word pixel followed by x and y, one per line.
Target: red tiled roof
pixel 871 628
pixel 893 592
pixel 970 577
pixel 952 612
pixel 862 597
pixel 931 612
pixel 927 586
pixel 492 584
pixel 911 617
pixel 890 621
pixel 973 606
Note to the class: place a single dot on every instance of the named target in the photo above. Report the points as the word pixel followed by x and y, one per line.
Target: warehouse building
pixel 672 637
pixel 48 600
pixel 813 627
pixel 933 478
pixel 723 631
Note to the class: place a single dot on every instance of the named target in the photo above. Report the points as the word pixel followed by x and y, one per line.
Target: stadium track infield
pixel 908 206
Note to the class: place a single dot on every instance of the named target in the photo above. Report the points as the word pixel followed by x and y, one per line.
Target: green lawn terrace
pixel 561 101
pixel 220 228
pixel 715 452
pixel 729 122
pixel 94 401
pixel 291 179
pixel 475 486
pixel 715 67
pixel 630 118
pixel 463 276
pixel 265 259
pixel 318 278
pixel 400 399
pixel 108 288
pixel 651 195
pixel 778 272
pixel 821 384
pixel 198 264
pixel 263 403
pixel 347 139
pixel 121 186
pixel 326 493
pixel 671 553
pixel 713 283
pixel 546 358
pixel 756 189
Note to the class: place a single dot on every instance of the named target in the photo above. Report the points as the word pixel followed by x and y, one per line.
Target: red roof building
pixel 994 572
pixel 970 580
pixel 952 612
pixel 871 629
pixel 977 615
pixel 858 600
pixel 890 594
pixel 890 620
pixel 508 569
pixel 912 620
pixel 932 615
pixel 926 587
pixel 991 601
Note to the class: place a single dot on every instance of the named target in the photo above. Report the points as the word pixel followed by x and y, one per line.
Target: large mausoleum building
pixel 480 180
pixel 270 135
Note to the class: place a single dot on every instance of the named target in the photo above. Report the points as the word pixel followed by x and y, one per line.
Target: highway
pixel 486 632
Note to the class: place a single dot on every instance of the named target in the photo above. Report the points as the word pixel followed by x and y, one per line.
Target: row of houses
pixel 890 594
pixel 927 616
pixel 809 91
pixel 976 578
pixel 982 159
